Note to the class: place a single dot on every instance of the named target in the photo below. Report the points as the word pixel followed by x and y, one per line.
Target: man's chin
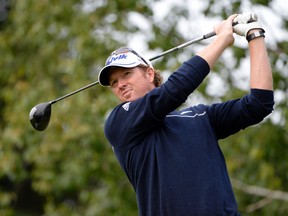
pixel 127 96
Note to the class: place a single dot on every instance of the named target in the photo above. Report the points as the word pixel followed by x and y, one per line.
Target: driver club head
pixel 40 116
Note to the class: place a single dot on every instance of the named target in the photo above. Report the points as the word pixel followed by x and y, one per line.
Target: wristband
pixel 255 35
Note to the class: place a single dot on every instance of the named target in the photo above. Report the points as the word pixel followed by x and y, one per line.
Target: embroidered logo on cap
pixel 115 58
pixel 126 106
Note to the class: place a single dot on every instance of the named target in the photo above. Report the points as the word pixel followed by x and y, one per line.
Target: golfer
pixel 172 157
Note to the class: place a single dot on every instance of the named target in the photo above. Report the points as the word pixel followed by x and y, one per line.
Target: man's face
pixel 129 84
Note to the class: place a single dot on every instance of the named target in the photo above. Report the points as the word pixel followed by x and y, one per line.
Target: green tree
pixel 50 48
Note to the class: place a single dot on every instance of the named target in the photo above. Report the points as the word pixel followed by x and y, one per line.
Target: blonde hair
pixel 158 79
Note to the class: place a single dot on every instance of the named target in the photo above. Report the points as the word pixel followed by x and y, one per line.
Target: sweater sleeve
pixel 232 116
pixel 131 121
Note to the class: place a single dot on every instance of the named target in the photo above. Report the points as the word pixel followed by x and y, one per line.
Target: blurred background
pixel 49 48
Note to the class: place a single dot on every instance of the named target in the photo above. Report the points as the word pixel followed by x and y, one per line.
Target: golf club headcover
pixel 245 23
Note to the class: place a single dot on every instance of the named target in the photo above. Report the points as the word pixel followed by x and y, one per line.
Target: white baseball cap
pixel 123 57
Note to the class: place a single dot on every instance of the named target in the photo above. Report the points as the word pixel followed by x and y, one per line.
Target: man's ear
pixel 151 73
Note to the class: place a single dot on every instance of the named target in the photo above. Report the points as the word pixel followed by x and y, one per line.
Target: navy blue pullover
pixel 172 158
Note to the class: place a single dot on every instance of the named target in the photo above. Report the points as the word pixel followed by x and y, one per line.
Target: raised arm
pixel 261 75
pixel 260 70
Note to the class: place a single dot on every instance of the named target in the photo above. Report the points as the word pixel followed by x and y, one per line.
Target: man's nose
pixel 121 83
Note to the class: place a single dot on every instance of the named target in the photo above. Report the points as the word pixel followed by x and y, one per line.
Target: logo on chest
pixel 126 106
pixel 187 114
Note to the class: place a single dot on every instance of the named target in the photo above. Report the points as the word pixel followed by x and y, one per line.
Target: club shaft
pixel 206 36
pixel 74 92
pixel 196 40
pixel 253 18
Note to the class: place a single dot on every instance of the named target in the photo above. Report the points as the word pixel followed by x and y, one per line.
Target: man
pixel 172 158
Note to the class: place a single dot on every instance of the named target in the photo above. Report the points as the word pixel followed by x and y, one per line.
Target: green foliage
pixel 50 48
pixel 261 2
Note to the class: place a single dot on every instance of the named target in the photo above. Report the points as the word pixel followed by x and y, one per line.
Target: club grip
pixel 208 35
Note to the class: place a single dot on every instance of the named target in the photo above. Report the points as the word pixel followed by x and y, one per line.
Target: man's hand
pixel 245 23
pixel 224 31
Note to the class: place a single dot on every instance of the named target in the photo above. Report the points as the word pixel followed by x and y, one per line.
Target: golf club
pixel 40 114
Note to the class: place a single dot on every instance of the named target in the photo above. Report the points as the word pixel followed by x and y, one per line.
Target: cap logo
pixel 115 58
